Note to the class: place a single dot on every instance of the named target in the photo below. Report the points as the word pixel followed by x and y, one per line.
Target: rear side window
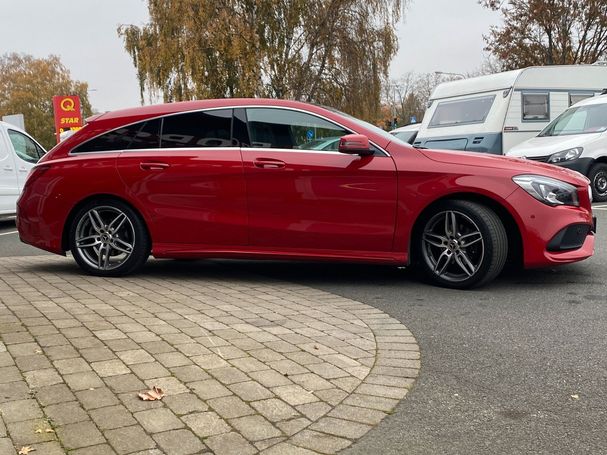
pixel 286 129
pixel 137 135
pixel 461 112
pixel 579 96
pixel 25 147
pixel 536 107
pixel 198 129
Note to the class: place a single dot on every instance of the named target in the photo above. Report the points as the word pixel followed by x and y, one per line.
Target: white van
pixel 494 113
pixel 18 154
pixel 407 133
pixel 577 139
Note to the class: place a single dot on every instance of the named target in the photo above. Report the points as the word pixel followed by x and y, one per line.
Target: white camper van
pixel 494 113
pixel 18 154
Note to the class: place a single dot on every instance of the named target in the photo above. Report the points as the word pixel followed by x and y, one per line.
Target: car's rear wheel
pixel 598 182
pixel 108 238
pixel 462 244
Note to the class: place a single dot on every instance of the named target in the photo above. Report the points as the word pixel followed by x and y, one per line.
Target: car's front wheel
pixel 108 238
pixel 598 182
pixel 462 244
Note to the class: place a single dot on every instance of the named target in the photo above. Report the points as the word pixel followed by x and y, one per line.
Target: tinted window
pixel 148 136
pixel 406 136
pixel 536 106
pixel 198 129
pixel 281 128
pixel 451 113
pixel 118 139
pixel 25 147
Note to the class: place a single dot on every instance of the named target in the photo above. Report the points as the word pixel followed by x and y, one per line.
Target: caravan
pixel 494 113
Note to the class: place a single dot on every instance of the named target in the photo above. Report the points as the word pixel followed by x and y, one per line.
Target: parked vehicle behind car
pixel 576 139
pixel 495 112
pixel 406 133
pixel 236 178
pixel 19 152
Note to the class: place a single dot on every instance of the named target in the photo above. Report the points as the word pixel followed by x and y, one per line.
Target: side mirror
pixel 355 144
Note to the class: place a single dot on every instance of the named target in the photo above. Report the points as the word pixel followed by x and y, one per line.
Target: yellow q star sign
pixel 67 105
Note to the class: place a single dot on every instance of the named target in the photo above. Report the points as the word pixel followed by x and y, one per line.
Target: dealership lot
pixel 515 367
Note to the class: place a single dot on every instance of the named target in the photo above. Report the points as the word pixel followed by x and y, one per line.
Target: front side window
pixel 579 120
pixel 25 147
pixel 461 112
pixel 286 129
pixel 198 129
pixel 536 107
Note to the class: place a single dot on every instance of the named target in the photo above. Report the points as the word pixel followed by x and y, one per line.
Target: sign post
pixel 67 114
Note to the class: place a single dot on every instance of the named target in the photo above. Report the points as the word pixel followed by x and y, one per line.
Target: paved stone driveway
pixel 248 365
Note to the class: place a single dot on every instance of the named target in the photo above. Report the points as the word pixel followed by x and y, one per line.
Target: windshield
pixel 367 125
pixel 406 136
pixel 579 120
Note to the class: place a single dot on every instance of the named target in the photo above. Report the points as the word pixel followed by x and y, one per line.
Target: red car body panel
pixel 248 202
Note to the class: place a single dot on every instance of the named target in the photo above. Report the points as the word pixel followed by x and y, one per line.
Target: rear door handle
pixel 153 166
pixel 8 168
pixel 269 163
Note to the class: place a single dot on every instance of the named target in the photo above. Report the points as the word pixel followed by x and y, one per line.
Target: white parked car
pixel 18 154
pixel 576 139
pixel 407 133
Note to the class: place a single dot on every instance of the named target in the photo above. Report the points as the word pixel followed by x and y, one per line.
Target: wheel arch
pixel 65 240
pixel 515 240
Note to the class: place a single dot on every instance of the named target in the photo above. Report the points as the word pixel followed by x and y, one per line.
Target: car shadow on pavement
pixel 323 273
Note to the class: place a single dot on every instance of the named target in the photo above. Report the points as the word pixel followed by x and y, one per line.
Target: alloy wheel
pixel 104 238
pixel 453 246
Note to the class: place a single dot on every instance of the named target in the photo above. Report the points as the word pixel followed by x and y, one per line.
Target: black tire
pixel 598 182
pixel 471 257
pixel 116 229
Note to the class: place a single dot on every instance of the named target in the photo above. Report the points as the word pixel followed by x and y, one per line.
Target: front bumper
pixel 541 224
pixel 582 165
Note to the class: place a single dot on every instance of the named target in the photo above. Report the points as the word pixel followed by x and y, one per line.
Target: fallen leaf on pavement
pixel 49 430
pixel 575 396
pixel 38 431
pixel 155 393
pixel 25 450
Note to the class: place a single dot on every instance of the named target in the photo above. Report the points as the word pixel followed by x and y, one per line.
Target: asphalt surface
pixel 517 367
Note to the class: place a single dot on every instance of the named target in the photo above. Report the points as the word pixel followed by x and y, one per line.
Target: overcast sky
pixel 436 35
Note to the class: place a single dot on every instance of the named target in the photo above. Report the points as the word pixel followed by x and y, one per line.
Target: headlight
pixel 566 155
pixel 548 190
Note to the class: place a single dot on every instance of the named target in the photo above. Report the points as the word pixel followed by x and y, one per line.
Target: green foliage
pixel 548 32
pixel 27 86
pixel 334 52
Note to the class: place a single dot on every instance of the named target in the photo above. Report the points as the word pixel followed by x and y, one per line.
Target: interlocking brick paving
pixel 248 364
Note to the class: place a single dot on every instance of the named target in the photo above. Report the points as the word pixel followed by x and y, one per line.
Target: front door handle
pixel 269 163
pixel 153 166
pixel 8 168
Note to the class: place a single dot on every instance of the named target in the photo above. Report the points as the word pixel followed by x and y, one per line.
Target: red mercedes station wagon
pixel 255 178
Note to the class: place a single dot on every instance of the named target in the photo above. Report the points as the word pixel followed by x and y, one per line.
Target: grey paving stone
pixel 149 370
pixel 32 362
pixel 81 434
pixel 112 417
pixel 124 383
pixel 230 407
pixel 208 389
pixel 294 394
pixel 47 448
pixel 158 420
pixel 134 404
pixel 230 444
pixel 84 380
pixel 340 427
pixel 206 424
pixel 96 398
pixel 189 373
pixel 24 433
pixel 97 354
pixel 65 413
pixel 274 409
pixel 184 403
pixel 250 391
pixel 179 442
pixel 61 352
pixel 15 411
pixel 255 428
pixel 102 449
pixel 173 359
pixel 228 375
pixel 9 374
pixel 270 378
pixel 107 368
pixel 129 439
pixel 73 365
pixel 287 449
pixel 135 356
pixel 319 442
pixel 11 391
pixel 41 378
pixel 58 393
pixel 313 411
